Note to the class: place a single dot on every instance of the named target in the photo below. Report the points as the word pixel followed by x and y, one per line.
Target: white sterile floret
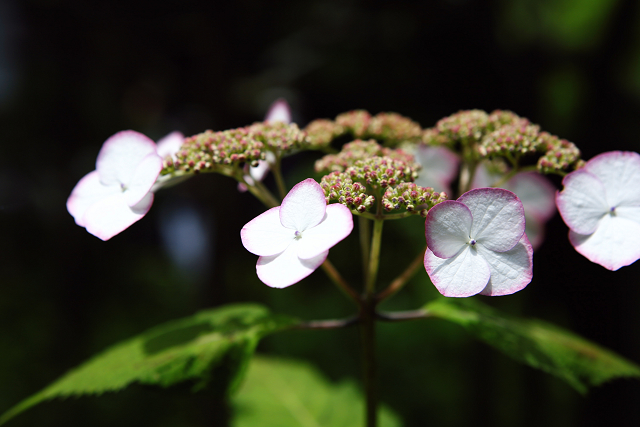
pixel 279 111
pixel 536 193
pixel 600 204
pixel 439 167
pixel 477 244
pixel 294 239
pixel 118 193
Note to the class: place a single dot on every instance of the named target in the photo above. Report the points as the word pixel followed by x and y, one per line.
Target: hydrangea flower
pixel 118 193
pixel 294 239
pixel 168 146
pixel 439 167
pixel 279 111
pixel 536 193
pixel 477 244
pixel 600 204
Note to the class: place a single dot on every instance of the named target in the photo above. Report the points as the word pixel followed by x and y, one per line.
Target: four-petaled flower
pixel 477 244
pixel 294 239
pixel 118 193
pixel 600 204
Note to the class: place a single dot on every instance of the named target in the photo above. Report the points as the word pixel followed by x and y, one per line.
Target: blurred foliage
pixel 287 393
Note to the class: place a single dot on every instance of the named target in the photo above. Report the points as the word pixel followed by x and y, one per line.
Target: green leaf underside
pixel 541 345
pixel 287 393
pixel 212 346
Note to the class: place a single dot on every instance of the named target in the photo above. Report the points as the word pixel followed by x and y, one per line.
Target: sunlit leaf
pixel 287 393
pixel 538 344
pixel 210 349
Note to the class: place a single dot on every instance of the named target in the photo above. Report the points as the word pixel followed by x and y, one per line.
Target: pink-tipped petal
pixel 463 275
pixel 170 144
pixel 143 178
pixel 279 112
pixel 285 269
pixel 304 206
pixel 511 271
pixel 534 230
pixel 619 172
pixel 498 217
pixel 109 216
pixel 336 225
pixel 614 244
pixel 439 167
pixel 120 155
pixel 582 202
pixel 448 228
pixel 88 190
pixel 537 194
pixel 265 236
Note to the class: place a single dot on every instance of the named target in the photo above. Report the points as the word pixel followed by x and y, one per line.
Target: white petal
pixel 582 202
pixel 264 235
pixel 448 228
pixel 619 172
pixel 111 215
pixel 498 217
pixel 534 231
pixel 285 269
pixel 143 178
pixel 279 112
pixel 304 206
pixel 88 191
pixel 259 172
pixel 335 226
pixel 170 144
pixel 614 244
pixel 439 167
pixel 121 154
pixel 511 271
pixel 537 194
pixel 483 178
pixel 463 275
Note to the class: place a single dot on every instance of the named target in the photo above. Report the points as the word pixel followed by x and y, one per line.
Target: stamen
pixel 298 235
pixel 472 242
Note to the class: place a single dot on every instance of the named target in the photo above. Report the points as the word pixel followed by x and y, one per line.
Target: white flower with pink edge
pixel 600 204
pixel 294 239
pixel 118 193
pixel 477 244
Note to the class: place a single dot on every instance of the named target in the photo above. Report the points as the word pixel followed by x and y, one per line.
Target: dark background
pixel 72 73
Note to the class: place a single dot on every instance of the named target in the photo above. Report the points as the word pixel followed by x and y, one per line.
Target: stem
pixel 339 281
pixel 401 280
pixel 367 316
pixel 277 173
pixel 374 258
pixel 365 240
pixel 399 316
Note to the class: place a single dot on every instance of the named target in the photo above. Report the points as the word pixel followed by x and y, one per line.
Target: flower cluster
pixel 279 136
pixel 560 154
pixel 393 129
pixel 355 122
pixel 464 126
pixel 522 138
pixel 412 198
pixel 360 150
pixel 207 150
pixel 322 131
pixel 381 172
pixel 339 188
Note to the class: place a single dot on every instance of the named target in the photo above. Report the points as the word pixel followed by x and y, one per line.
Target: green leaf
pixel 538 344
pixel 287 393
pixel 213 346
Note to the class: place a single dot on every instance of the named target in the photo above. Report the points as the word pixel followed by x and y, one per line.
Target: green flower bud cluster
pixel 466 127
pixel 381 172
pixel 413 198
pixel 522 138
pixel 356 122
pixel 560 154
pixel 207 150
pixel 339 188
pixel 393 129
pixel 280 137
pixel 322 131
pixel 360 150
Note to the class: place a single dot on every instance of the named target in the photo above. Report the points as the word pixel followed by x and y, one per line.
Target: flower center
pixel 123 187
pixel 472 242
pixel 612 210
pixel 298 235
